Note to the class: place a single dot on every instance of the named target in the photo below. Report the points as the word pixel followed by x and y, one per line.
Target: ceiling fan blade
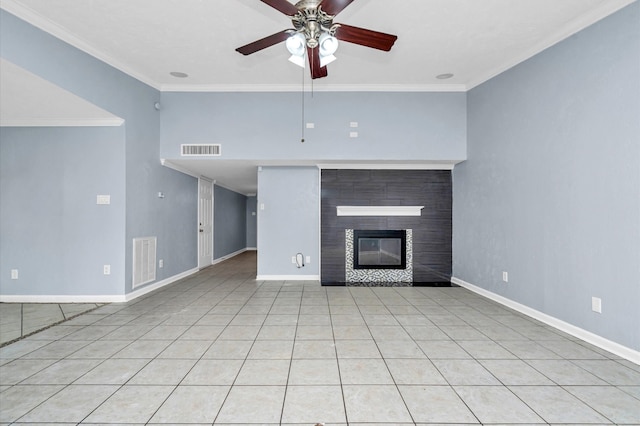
pixel 283 6
pixel 263 43
pixel 364 37
pixel 333 7
pixel 314 63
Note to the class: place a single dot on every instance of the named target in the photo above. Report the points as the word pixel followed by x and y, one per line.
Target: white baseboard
pixel 62 298
pixel 288 278
pixel 596 340
pixel 110 298
pixel 159 284
pixel 229 256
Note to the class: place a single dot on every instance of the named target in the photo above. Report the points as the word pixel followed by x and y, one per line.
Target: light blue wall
pixel 172 219
pixel 252 222
pixel 52 230
pixel 551 189
pixel 391 126
pixel 290 220
pixel 229 222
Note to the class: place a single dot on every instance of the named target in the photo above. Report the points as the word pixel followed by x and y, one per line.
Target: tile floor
pixel 220 348
pixel 21 319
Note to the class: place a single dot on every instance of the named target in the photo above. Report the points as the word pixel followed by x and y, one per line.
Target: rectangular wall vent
pixel 144 260
pixel 201 150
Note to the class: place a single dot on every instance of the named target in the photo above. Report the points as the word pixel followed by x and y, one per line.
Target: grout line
pixel 64 317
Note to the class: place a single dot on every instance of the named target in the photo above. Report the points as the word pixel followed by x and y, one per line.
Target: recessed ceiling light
pixel 444 76
pixel 179 74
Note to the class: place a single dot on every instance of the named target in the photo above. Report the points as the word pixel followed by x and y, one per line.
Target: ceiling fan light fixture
pixel 326 60
pixel 328 44
pixel 296 44
pixel 298 60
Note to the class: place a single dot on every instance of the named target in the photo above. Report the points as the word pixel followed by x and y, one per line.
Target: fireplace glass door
pixel 379 249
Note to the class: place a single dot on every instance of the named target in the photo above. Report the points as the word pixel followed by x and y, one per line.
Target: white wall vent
pixel 144 260
pixel 201 150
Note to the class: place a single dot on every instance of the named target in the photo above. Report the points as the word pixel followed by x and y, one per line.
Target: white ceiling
pixel 147 39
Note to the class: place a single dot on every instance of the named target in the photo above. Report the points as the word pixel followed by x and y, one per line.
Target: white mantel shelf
pixel 379 210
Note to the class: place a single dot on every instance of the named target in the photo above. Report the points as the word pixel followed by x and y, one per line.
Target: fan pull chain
pixel 303 125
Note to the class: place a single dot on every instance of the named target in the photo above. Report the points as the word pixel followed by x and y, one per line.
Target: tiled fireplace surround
pixel 432 231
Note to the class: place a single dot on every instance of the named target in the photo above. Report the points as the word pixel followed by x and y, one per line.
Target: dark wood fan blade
pixel 264 42
pixel 364 37
pixel 283 6
pixel 333 7
pixel 314 63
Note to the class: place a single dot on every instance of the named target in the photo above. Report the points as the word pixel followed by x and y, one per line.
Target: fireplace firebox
pixel 379 249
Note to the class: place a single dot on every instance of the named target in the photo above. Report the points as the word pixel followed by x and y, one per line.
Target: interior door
pixel 205 223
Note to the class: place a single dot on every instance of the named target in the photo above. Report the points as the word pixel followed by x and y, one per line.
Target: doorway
pixel 205 223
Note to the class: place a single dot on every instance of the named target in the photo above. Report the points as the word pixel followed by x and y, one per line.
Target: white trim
pixel 288 278
pixel 587 336
pixel 323 87
pixel 170 165
pixel 61 122
pixel 111 298
pixel 159 284
pixel 229 256
pixel 379 210
pixel 61 298
pixel 390 165
pixel 591 17
pixel 46 25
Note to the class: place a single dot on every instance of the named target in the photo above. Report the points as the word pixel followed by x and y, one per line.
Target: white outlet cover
pixel 308 259
pixel 596 304
pixel 103 199
pixel 14 274
pixel 107 269
pixel 505 277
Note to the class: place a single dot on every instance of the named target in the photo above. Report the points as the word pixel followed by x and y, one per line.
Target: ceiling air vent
pixel 201 150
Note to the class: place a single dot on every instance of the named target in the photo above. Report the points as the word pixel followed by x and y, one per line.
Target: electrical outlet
pixel 161 263
pixel 307 259
pixel 14 274
pixel 505 276
pixel 293 259
pixel 596 304
pixel 106 269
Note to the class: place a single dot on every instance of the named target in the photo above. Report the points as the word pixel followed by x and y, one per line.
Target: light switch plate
pixel 103 199
pixel 596 304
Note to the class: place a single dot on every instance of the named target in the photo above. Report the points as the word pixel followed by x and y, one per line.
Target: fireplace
pixel 383 256
pixel 379 249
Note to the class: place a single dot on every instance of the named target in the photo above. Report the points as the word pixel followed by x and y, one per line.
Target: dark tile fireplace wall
pixel 432 253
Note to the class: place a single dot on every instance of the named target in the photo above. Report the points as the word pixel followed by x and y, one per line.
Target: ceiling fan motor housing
pixel 312 21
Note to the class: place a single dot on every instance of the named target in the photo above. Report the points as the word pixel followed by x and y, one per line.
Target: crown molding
pixel 60 122
pixel 46 25
pixel 315 88
pixel 598 13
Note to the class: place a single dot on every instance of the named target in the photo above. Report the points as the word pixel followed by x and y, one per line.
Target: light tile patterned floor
pixel 219 347
pixel 21 319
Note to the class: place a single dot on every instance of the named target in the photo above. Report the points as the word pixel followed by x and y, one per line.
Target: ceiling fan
pixel 315 33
